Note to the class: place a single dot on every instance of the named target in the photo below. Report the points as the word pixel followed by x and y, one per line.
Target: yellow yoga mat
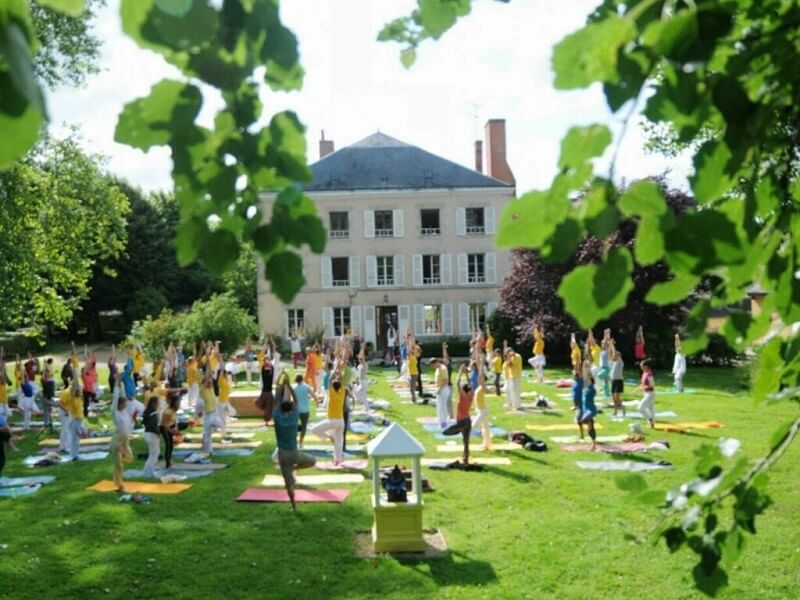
pixel 480 460
pixel 678 427
pixel 141 487
pixel 477 447
pixel 83 441
pixel 354 437
pixel 557 427
pixel 217 445
pixel 333 478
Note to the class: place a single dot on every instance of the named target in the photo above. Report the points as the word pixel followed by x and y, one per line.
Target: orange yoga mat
pixel 141 487
pixel 680 427
pixel 557 427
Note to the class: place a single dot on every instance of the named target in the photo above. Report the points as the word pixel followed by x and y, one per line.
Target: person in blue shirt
pixel 589 409
pixel 287 420
pixel 303 394
pixel 577 398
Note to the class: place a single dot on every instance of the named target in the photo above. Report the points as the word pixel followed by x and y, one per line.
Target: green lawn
pixel 540 528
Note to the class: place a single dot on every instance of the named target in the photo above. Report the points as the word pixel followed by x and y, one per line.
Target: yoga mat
pixel 344 466
pixel 188 473
pixel 255 424
pixel 676 392
pixel 428 420
pixel 82 456
pixel 223 452
pixel 321 453
pixel 635 414
pixel 141 487
pixel 82 450
pixel 477 447
pixel 184 466
pixel 557 427
pixel 329 447
pixel 16 492
pixel 610 448
pixel 622 465
pixel 18 481
pixel 679 427
pixel 498 432
pixel 480 460
pixel 333 478
pixel 356 437
pixel 49 443
pixel 267 495
pixel 535 411
pixel 574 439
pixel 363 428
pixel 217 445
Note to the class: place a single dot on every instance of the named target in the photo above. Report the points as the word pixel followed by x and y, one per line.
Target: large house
pixel 411 242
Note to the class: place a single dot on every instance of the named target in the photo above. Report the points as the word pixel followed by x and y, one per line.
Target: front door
pixel 385 316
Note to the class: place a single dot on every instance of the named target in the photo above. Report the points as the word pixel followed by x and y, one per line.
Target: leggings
pixel 464 427
pixel 168 445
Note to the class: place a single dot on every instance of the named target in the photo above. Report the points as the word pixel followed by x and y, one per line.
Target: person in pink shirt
pixel 89 380
pixel 648 385
pixel 639 352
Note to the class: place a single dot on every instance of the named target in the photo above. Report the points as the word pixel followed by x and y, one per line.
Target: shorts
pixel 617 386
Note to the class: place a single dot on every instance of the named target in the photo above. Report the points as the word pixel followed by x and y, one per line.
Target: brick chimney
pixel 479 156
pixel 496 165
pixel 325 146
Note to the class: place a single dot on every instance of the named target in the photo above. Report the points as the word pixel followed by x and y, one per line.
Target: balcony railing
pixel 471 229
pixel 384 233
pixel 431 231
pixel 432 280
pixel 339 234
pixel 476 278
pixel 385 281
pixel 340 282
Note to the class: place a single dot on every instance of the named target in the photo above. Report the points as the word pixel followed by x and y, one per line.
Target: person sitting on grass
pixel 463 424
pixel 287 419
pixel 588 407
pixel 120 442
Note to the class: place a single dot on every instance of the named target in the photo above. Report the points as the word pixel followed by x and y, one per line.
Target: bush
pixel 432 347
pixel 717 354
pixel 145 302
pixel 218 319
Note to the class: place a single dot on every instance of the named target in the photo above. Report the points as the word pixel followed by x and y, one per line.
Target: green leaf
pixel 780 434
pixel 649 241
pixel 674 35
pixel 583 143
pixel 708 457
pixel 680 101
pixel 71 8
pixel 408 56
pixel 643 198
pixel 20 123
pixel 285 271
pixel 704 240
pixel 437 16
pixel 563 242
pixel 189 238
pixel 770 367
pixel 530 220
pixel 631 482
pixel 169 109
pixel 594 292
pixel 675 290
pixel 731 543
pixel 600 214
pixel 696 324
pixel 167 25
pixel 15 50
pixel 714 171
pixel 590 54
pixel 220 250
pixel 633 67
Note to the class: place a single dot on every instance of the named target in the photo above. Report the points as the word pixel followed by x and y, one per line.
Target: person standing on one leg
pixel 538 361
pixel 287 419
pixel 639 351
pixel 413 371
pixel 209 412
pixel 120 443
pixel 588 407
pixel 577 397
pixel 678 366
pixel 442 391
pixel 648 385
pixel 463 424
pixel 302 396
pixel 333 426
pixel 605 367
pixel 150 419
pixel 516 376
pixel 169 427
pixel 617 381
pixel 449 368
pixel 575 357
pixel 482 419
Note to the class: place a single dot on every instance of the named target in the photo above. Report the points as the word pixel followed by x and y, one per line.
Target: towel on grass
pixel 22 490
pixel 623 465
pixel 171 472
pixel 141 487
pixel 611 448
pixel 55 459
pixel 480 460
pixel 345 465
pixel 19 481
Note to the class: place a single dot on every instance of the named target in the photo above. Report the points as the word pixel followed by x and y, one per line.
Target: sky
pixel 495 63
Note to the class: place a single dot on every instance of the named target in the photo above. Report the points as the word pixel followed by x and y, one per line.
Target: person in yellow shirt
pixel 138 363
pixel 193 380
pixel 71 405
pixel 513 372
pixel 443 391
pixel 333 426
pixel 537 361
pixel 482 419
pixel 497 369
pixel 507 378
pixel 575 353
pixel 208 412
pixel 489 347
pixel 413 373
pixel 224 407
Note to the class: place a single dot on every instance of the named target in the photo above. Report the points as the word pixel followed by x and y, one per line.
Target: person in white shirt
pixel 297 353
pixel 679 365
pixel 120 444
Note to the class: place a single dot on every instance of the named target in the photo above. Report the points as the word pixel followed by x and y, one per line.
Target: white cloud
pixel 497 58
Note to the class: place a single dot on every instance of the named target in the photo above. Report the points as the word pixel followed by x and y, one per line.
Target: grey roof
pixel 380 162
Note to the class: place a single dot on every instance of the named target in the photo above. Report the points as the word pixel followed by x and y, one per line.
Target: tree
pixel 530 294
pixel 241 281
pixel 60 216
pixel 718 73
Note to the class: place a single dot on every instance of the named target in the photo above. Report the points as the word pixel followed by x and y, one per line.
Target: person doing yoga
pixel 463 424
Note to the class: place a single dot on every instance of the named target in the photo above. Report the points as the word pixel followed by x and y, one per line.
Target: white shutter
pixel 327 321
pixel 369 223
pixel 355 320
pixel 372 272
pixel 399 270
pixel 447 319
pixel 461 221
pixel 419 319
pixel 490 267
pixel 286 323
pixel 444 267
pixel 462 269
pixel 403 317
pixel 489 220
pixel 463 319
pixel 327 272
pixel 416 263
pixel 490 308
pixel 369 325
pixel 354 272
pixel 397 222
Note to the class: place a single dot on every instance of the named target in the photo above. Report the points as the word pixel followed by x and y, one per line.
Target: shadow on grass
pixel 525 455
pixel 453 569
pixel 518 477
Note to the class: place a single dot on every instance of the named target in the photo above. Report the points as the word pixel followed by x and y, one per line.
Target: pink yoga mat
pixel 267 495
pixel 612 448
pixel 346 464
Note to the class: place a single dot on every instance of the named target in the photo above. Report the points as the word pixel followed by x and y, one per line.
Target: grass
pixel 540 528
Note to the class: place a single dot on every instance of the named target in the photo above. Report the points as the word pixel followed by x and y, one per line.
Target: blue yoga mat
pixel 23 490
pixel 223 452
pixel 19 481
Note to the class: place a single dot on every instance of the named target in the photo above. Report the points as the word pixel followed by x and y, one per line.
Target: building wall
pixel 314 299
